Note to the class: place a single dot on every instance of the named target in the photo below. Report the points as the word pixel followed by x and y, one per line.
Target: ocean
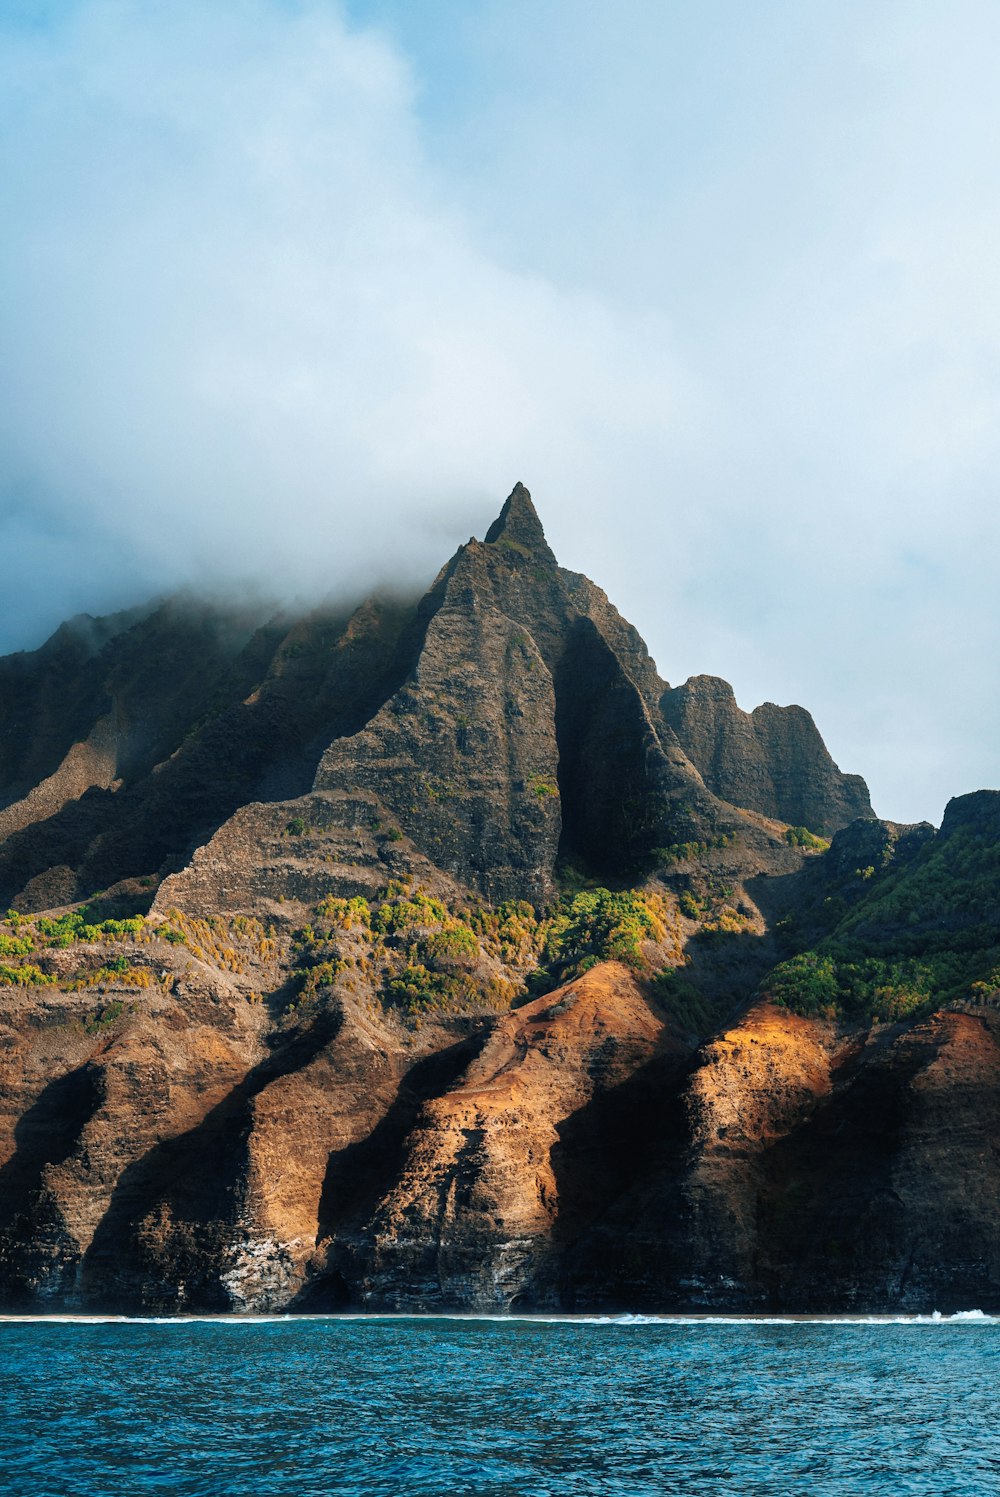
pixel 621 1407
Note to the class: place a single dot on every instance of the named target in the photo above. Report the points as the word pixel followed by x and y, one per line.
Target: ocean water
pixel 499 1408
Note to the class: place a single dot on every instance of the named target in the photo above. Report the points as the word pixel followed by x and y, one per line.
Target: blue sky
pixel 293 293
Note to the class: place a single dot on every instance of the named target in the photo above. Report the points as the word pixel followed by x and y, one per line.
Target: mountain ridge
pixel 439 954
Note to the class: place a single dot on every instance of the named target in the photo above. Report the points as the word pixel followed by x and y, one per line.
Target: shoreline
pixel 624 1320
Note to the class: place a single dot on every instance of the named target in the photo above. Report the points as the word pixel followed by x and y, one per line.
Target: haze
pixel 293 293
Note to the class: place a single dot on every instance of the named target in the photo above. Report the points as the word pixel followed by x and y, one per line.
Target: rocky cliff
pixel 438 954
pixel 771 760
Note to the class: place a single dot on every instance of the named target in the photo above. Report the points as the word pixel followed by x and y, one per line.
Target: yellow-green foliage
pixel 404 909
pixel 542 788
pixel 118 972
pixel 105 1016
pixel 726 922
pixel 246 931
pixel 691 1011
pixel 818 984
pixel 683 852
pixel 433 955
pixel 986 990
pixel 229 944
pixel 225 944
pixel 597 925
pixel 27 933
pixel 691 906
pixel 319 976
pixel 453 949
pixel 346 914
pixel 16 945
pixel 24 975
pixel 800 836
pixel 422 955
pixel 510 930
pixel 918 935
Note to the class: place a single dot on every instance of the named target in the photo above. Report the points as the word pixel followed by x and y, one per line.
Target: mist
pixel 292 294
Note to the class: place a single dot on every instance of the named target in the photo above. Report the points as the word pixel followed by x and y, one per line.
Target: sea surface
pixel 620 1407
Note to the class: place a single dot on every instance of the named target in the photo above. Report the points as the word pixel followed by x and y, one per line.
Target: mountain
pixel 438 953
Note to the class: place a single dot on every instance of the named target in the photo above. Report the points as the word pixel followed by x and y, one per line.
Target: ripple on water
pixel 499 1407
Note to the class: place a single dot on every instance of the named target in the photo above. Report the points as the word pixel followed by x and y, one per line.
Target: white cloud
pixel 291 297
pixel 247 330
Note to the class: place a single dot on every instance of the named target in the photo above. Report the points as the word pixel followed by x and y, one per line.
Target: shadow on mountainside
pixel 185 1191
pixel 360 1175
pixel 605 1150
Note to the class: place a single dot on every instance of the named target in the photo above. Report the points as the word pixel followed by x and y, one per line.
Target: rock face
pixel 824 1168
pixel 504 1170
pixel 527 731
pixel 770 760
pixel 571 1155
pixel 510 718
pixel 386 1040
pixel 122 749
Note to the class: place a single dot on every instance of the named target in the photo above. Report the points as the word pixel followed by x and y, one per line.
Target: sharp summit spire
pixel 519 527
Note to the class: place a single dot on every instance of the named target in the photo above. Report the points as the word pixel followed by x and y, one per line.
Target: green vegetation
pixel 504 543
pixel 423 956
pixel 919 936
pixel 103 1017
pixel 690 1010
pixel 542 788
pixel 824 987
pixel 597 925
pixel 296 827
pixel 346 913
pixel 683 852
pixel 801 836
pixel 691 907
pixel 26 974
pixel 23 935
pixel 68 929
pixel 16 945
pixel 417 952
pixel 228 944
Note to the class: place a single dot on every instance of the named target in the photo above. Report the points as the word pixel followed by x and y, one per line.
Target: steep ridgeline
pixel 439 955
pixel 125 742
pixel 509 719
pixel 528 730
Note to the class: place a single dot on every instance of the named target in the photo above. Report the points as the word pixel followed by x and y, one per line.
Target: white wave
pixel 935 1318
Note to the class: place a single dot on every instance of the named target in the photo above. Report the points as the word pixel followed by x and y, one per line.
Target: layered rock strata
pixel 340 1064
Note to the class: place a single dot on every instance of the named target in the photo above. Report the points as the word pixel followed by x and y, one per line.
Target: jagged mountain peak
pixel 389 856
pixel 519 529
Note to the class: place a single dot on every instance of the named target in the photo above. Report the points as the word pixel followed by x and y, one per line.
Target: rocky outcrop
pixel 464 757
pixel 501 1173
pixel 189 1155
pixel 770 760
pixel 829 1169
pixel 282 858
pixel 89 765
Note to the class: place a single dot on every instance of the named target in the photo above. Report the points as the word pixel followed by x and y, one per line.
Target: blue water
pixel 498 1408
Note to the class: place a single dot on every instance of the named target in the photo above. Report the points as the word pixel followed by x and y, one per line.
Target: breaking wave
pixel 934 1318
